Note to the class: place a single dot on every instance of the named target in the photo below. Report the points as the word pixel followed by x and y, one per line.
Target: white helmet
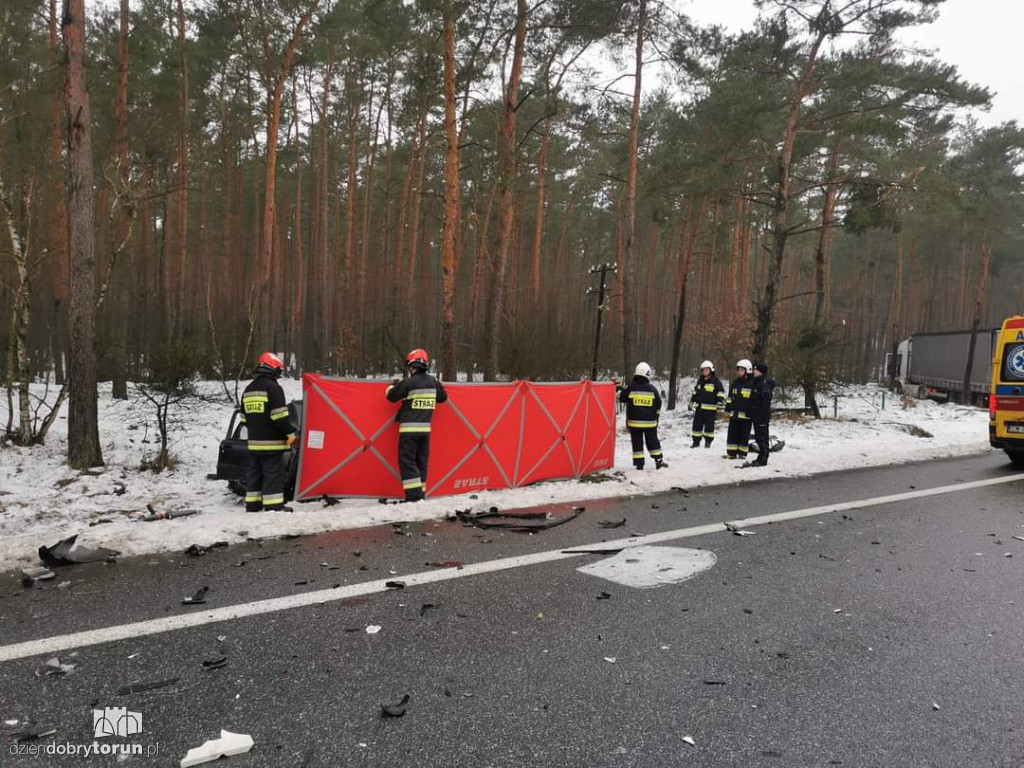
pixel 744 363
pixel 708 364
pixel 643 369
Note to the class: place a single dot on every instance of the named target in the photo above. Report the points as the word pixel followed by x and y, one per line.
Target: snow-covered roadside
pixel 42 500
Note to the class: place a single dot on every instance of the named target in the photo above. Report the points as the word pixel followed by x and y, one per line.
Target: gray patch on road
pixel 644 567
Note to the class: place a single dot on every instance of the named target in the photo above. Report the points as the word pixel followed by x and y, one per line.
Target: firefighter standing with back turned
pixel 419 393
pixel 740 408
pixel 643 409
pixel 270 436
pixel 708 398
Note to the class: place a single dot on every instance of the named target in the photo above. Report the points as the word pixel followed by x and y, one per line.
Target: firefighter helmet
pixel 746 365
pixel 418 358
pixel 707 364
pixel 643 369
pixel 270 363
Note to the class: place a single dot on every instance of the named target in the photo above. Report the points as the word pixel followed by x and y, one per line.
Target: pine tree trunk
pixel 58 225
pixel 977 315
pixel 506 199
pixel 782 192
pixel 452 193
pixel 351 279
pixel 181 217
pixel 538 216
pixel 20 316
pixel 120 327
pixel 824 250
pixel 687 250
pixel 83 427
pixel 273 123
pixel 629 251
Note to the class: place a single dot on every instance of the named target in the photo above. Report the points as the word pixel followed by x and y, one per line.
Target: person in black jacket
pixel 708 397
pixel 643 410
pixel 741 410
pixel 420 393
pixel 270 435
pixel 764 388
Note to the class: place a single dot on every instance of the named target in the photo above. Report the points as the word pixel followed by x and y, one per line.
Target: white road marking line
pixel 58 643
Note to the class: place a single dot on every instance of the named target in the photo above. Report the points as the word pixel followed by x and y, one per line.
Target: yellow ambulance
pixel 1006 396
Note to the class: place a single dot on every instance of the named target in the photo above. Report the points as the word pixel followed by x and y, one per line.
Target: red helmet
pixel 271 363
pixel 418 358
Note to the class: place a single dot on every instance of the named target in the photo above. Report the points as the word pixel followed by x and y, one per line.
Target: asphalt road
pixel 888 635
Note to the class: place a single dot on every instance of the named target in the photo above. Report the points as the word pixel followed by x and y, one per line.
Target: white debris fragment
pixel 373 629
pixel 227 745
pixel 611 659
pixel 689 740
pixel 837 610
pixel 936 706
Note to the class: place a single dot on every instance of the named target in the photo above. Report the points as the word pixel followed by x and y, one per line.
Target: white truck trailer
pixel 933 364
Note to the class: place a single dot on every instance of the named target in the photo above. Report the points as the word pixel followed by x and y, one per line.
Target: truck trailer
pixel 932 364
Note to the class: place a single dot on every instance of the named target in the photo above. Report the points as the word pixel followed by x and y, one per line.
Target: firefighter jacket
pixel 419 394
pixel 643 404
pixel 265 413
pixel 708 394
pixel 764 388
pixel 741 393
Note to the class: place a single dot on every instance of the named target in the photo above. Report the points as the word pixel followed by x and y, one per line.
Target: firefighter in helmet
pixel 419 393
pixel 643 410
pixel 270 436
pixel 741 408
pixel 708 398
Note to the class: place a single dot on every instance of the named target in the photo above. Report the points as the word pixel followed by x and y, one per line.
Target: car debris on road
pixel 64 552
pixel 395 710
pixel 227 745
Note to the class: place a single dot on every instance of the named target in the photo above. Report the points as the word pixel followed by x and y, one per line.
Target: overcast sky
pixel 981 37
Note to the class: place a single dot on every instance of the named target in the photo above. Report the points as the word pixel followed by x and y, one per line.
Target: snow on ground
pixel 42 500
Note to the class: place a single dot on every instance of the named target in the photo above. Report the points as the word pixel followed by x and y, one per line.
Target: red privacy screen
pixel 487 436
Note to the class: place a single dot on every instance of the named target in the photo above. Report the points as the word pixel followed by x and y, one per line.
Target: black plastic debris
pixel 715 682
pixel 65 552
pixel 198 550
pixel 604 596
pixel 395 710
pixel 517 522
pixel 447 564
pixel 198 598
pixel 153 685
pixel 612 523
pixel 217 663
pixel 30 576
pixel 394 584
pixel 426 607
pixel 328 501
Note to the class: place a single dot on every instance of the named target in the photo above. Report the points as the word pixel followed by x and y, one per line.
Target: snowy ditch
pixel 43 501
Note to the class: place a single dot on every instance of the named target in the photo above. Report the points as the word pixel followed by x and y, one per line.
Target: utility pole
pixel 602 270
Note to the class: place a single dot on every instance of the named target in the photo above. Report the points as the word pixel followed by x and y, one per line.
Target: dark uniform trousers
pixel 703 425
pixel 413 457
pixel 761 437
pixel 265 480
pixel 641 435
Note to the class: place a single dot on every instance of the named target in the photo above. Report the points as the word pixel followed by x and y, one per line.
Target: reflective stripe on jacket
pixel 643 404
pixel 419 395
pixel 266 415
